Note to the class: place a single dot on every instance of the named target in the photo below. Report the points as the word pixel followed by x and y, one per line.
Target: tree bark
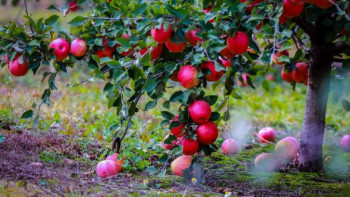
pixel 315 111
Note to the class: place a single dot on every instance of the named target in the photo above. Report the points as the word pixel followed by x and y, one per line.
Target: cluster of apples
pixel 293 8
pixel 285 150
pixel 206 132
pixel 110 166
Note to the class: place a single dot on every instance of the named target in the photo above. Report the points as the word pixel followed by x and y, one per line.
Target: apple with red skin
pixel 238 44
pixel 324 4
pixel 258 26
pixel 73 6
pixel 230 146
pixel 190 146
pixel 61 48
pixel 207 10
pixel 200 111
pixel 118 163
pixel 270 77
pixel 106 52
pixel 267 162
pixel 287 148
pixel 78 47
pixel 180 164
pixel 106 168
pixel 192 38
pixel 207 133
pixel 175 47
pixel 187 76
pixel 180 140
pixel 292 10
pixel 214 75
pixel 174 76
pixel 18 69
pixel 156 52
pixel 300 74
pixel 177 131
pixel 162 35
pixel 225 62
pixel 277 55
pixel 267 135
pixel 251 4
pixel 286 75
pixel 129 51
pixel 298 2
pixel 345 143
pixel 227 53
pixel 283 19
pixel 245 82
pixel 169 146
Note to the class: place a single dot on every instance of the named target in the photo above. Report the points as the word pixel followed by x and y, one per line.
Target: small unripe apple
pixel 267 162
pixel 267 135
pixel 73 6
pixel 156 52
pixel 300 74
pixel 190 146
pixel 78 47
pixel 162 35
pixel 175 47
pixel 292 10
pixel 192 38
pixel 180 164
pixel 225 62
pixel 106 168
pixel 238 44
pixel 230 146
pixel 277 55
pixel 287 148
pixel 214 75
pixel 118 163
pixel 200 111
pixel 61 48
pixel 207 133
pixel 18 69
pixel 345 143
pixel 286 75
pixel 187 76
pixel 178 131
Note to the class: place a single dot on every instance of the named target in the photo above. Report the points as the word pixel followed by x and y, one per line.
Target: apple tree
pixel 146 47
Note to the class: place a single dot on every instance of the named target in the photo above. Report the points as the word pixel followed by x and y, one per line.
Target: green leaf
pixel 27 114
pixel 150 105
pixel 167 115
pixel 180 12
pixel 108 87
pixel 236 94
pixel 346 105
pixel 149 85
pixel 77 21
pixel 214 116
pixel 51 20
pixel 211 99
pixel 176 96
pixel 166 104
pixel 266 85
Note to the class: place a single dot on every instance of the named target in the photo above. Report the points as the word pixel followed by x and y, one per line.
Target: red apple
pixel 106 52
pixel 73 6
pixel 190 147
pixel 238 44
pixel 192 38
pixel 207 10
pixel 187 76
pixel 180 164
pixel 106 168
pixel 178 131
pixel 207 133
pixel 174 76
pixel 267 135
pixel 291 9
pixel 270 77
pixel 258 26
pixel 345 143
pixel 225 62
pixel 214 75
pixel 283 19
pixel 277 55
pixel 244 76
pixel 300 74
pixel 18 69
pixel 251 4
pixel 267 162
pixel 78 47
pixel 129 51
pixel 61 48
pixel 162 35
pixel 118 163
pixel 175 47
pixel 230 146
pixel 180 140
pixel 298 2
pixel 200 111
pixel 156 52
pixel 287 148
pixel 324 4
pixel 168 146
pixel 227 53
pixel 286 75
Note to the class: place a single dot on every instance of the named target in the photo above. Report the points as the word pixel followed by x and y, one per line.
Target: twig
pixel 26 8
pixel 129 119
pixel 340 10
pixel 90 6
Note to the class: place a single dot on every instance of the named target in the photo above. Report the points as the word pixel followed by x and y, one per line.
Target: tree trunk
pixel 315 111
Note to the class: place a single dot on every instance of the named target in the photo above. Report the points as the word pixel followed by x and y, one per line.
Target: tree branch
pixel 309 28
pixel 339 47
pixel 26 8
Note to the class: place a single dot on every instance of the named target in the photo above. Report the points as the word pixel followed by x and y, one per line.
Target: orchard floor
pixel 57 155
